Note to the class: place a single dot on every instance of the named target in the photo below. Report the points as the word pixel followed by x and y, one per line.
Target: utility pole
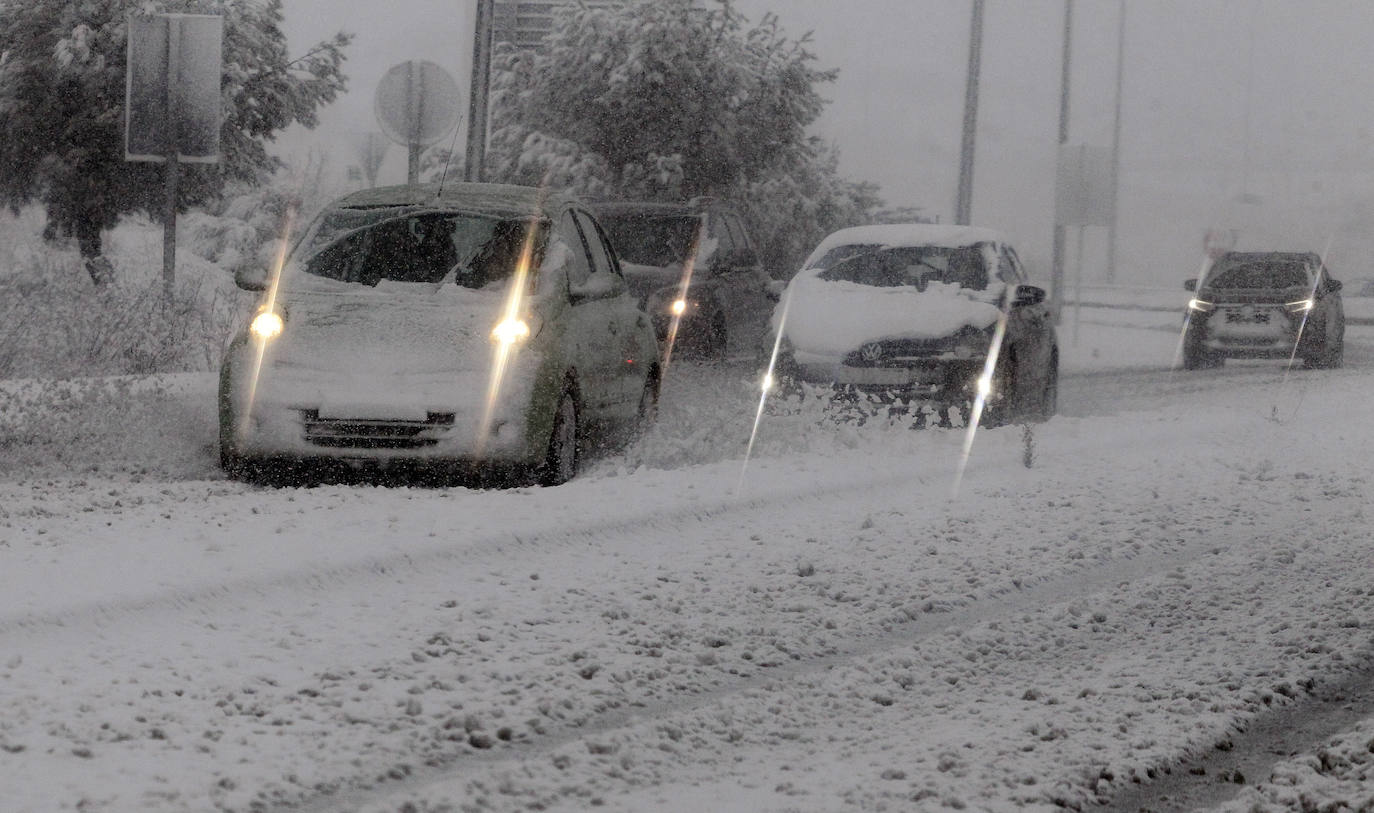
pixel 481 88
pixel 1057 263
pixel 963 207
pixel 1116 145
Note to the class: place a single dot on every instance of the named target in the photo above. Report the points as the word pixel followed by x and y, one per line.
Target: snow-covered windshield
pixel 915 266
pixel 658 240
pixel 1263 274
pixel 412 245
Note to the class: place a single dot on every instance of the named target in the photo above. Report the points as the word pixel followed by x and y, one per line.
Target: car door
pixel 741 285
pixel 1029 325
pixel 590 332
pixel 632 345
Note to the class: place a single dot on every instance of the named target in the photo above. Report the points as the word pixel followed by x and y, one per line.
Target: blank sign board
pixel 172 99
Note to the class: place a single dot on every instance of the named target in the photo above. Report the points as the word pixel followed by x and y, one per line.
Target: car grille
pixel 1252 316
pixel 354 433
pixel 900 352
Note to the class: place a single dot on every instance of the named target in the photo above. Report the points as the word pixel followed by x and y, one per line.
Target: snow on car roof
pixel 490 198
pixel 907 234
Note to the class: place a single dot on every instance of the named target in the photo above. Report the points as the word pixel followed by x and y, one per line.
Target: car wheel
pixel 561 459
pixel 1195 358
pixel 999 405
pixel 1048 403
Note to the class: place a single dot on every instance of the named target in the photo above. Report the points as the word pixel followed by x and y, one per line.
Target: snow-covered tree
pixel 654 83
pixel 62 88
pixel 670 99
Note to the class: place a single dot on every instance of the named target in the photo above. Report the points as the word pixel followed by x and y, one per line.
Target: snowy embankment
pixel 829 627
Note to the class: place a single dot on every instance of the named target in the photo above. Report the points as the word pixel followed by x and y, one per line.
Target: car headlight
pixel 510 331
pixel 1201 305
pixel 267 325
pixel 678 307
pixel 1300 306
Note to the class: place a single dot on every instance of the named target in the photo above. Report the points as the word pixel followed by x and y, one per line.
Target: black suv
pixel 695 273
pixel 1272 304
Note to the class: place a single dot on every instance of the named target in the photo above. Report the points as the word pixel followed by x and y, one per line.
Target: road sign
pixel 417 102
pixel 172 78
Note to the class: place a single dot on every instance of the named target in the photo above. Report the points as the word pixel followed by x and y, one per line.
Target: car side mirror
pixel 1333 285
pixel 251 278
pixel 1190 285
pixel 1028 295
pixel 600 285
pixel 774 289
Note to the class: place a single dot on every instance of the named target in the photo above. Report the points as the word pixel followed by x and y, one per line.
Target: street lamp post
pixel 964 204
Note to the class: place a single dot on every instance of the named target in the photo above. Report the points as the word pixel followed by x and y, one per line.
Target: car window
pixel 579 268
pixel 720 232
pixel 737 232
pixel 601 260
pixel 1009 268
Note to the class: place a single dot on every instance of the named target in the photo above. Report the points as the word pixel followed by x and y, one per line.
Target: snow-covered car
pixel 921 314
pixel 1264 304
pixel 695 273
pixel 477 323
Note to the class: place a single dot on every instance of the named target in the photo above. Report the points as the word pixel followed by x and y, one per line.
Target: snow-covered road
pixel 825 629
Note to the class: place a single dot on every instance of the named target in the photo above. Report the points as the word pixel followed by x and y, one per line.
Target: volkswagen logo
pixel 871 351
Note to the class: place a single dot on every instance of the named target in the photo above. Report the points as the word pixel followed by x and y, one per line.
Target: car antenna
pixel 444 176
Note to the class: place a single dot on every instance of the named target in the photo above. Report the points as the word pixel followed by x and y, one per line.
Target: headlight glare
pixel 1300 306
pixel 267 325
pixel 1200 305
pixel 678 307
pixel 510 331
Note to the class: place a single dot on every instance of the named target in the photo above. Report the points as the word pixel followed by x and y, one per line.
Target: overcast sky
pixel 1221 97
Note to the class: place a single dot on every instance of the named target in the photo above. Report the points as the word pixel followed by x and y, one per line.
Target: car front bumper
pixel 397 418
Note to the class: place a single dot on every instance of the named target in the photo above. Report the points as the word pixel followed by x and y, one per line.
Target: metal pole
pixel 173 168
pixel 964 205
pixel 414 100
pixel 481 87
pixel 1116 145
pixel 1057 263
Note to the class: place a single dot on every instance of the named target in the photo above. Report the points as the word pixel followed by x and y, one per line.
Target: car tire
pixel 1195 358
pixel 562 459
pixel 999 409
pixel 1048 403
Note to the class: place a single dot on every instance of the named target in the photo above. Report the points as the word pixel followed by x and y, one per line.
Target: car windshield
pixel 1262 274
pixel 915 266
pixel 650 239
pixel 412 245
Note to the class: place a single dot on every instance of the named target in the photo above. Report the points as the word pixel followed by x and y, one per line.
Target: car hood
pixel 835 317
pixel 395 328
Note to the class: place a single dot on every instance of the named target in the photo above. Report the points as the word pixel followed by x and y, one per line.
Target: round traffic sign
pixel 417 103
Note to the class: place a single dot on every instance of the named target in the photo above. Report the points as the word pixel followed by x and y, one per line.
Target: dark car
pixel 695 272
pixel 921 315
pixel 1258 305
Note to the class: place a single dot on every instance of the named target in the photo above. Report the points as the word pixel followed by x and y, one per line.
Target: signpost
pixel 172 103
pixel 417 103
